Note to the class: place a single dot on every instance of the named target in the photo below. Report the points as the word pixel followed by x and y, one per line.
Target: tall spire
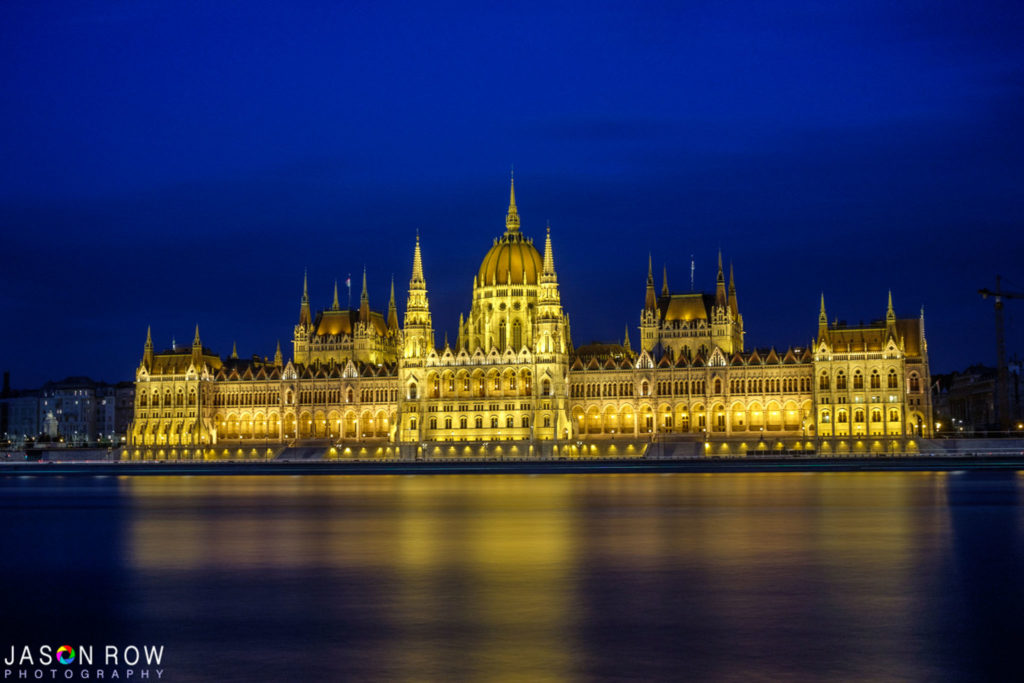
pixel 890 317
pixel 277 354
pixel 417 261
pixel 549 256
pixel 720 298
pixel 650 302
pixel 733 306
pixel 234 350
pixel 822 320
pixel 305 318
pixel 197 348
pixel 364 302
pixel 392 308
pixel 147 352
pixel 664 280
pixel 512 217
pixel 625 343
pixel 335 306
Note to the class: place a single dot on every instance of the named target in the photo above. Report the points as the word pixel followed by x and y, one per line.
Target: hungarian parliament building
pixel 360 384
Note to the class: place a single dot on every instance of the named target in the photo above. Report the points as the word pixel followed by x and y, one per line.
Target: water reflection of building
pixel 512 376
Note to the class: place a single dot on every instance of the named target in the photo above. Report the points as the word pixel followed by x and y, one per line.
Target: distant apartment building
pixel 76 411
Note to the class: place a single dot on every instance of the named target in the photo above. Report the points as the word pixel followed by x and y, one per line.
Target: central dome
pixel 512 255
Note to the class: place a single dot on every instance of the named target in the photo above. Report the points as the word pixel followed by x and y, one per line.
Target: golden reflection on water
pixel 513 559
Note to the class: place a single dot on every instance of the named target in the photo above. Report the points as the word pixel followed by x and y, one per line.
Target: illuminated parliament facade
pixel 358 383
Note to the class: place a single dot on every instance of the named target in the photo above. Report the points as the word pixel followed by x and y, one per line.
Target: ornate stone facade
pixel 360 383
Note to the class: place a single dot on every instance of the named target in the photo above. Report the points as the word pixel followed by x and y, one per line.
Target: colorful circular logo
pixel 65 654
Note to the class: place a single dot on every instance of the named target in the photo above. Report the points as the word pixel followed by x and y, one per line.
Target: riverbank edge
pixel 604 466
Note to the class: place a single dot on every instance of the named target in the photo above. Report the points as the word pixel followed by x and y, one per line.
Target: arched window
pixel 509 423
pixel 894 415
pixel 526 421
pixel 876 415
pixel 876 381
pixel 915 383
pixel 826 417
pixel 823 382
pixel 840 380
pixel 517 335
pixel 502 336
pixel 412 423
pixel 545 388
pixel 892 379
pixel 349 396
pixel 644 388
pixel 718 386
pixel 433 423
pixel 858 380
pixel 479 422
pixel 858 416
pixel 412 393
pixel 447 423
pixel 462 422
pixel 841 417
pixel 494 422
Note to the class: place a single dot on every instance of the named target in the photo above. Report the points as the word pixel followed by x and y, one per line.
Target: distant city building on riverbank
pixel 76 411
pixel 965 401
pixel 356 378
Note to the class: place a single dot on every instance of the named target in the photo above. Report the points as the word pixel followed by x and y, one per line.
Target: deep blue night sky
pixel 169 163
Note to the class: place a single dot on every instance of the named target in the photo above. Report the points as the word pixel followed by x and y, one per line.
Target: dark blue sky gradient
pixel 169 163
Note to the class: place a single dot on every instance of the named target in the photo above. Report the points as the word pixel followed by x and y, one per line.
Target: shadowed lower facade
pixel 513 383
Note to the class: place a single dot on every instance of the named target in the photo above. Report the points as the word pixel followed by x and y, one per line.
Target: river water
pixel 839 576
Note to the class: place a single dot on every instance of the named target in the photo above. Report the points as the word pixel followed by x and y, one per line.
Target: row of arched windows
pixel 843 417
pixel 892 381
pixel 478 422
pixel 170 399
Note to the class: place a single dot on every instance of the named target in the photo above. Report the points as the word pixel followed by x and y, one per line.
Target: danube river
pixel 736 576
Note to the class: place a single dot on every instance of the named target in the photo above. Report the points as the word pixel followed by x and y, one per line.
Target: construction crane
pixel 1002 373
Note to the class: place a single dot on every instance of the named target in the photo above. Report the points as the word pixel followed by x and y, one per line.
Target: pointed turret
pixel 733 305
pixel 392 309
pixel 234 350
pixel 822 320
pixel 335 306
pixel 197 349
pixel 417 263
pixel 304 316
pixel 549 254
pixel 277 354
pixel 664 280
pixel 890 318
pixel 720 297
pixel 364 302
pixel 625 342
pixel 147 350
pixel 651 302
pixel 512 217
pixel 418 329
